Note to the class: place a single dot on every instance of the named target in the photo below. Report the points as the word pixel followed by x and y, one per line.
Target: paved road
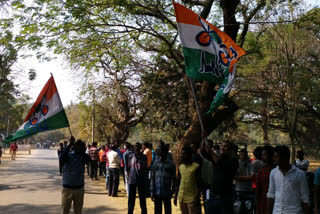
pixel 32 185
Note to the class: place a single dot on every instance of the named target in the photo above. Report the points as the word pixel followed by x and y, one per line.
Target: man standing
pixel 114 171
pixel 137 172
pixel 225 167
pixel 301 163
pixel 94 155
pixel 102 161
pixel 163 178
pixel 0 153
pixel 147 152
pixel 126 156
pixel 316 193
pixel 73 176
pixel 288 191
pixel 262 179
pixel 13 150
pixel 59 151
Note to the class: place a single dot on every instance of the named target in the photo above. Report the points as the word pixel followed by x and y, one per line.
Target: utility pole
pixel 8 127
pixel 93 113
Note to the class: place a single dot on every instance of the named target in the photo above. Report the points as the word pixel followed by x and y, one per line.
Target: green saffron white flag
pixel 209 53
pixel 46 114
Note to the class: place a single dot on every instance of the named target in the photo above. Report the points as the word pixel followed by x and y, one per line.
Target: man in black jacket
pixel 73 175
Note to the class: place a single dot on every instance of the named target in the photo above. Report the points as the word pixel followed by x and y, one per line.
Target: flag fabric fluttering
pixel 209 53
pixel 46 114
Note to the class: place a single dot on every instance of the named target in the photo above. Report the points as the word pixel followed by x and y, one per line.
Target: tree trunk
pixel 293 148
pixel 265 119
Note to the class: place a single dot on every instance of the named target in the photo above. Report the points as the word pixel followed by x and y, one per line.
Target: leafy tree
pixel 94 34
pixel 282 94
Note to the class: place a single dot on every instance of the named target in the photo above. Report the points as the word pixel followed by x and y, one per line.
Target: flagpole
pixel 70 131
pixel 198 110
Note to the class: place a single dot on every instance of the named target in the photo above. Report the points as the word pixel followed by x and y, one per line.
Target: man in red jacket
pixel 13 150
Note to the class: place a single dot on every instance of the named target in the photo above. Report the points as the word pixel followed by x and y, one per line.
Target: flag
pixel 209 53
pixel 46 114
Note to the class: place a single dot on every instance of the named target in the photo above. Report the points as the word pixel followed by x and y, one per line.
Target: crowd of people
pixel 220 179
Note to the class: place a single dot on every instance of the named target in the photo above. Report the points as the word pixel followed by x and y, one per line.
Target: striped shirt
pixel 94 153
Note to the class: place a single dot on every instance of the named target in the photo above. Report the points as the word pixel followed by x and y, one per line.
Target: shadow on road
pixel 9 187
pixel 51 209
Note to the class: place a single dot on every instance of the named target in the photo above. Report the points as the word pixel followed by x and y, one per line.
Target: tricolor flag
pixel 46 114
pixel 209 53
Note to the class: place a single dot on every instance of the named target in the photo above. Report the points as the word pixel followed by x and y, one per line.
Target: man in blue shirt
pixel 137 173
pixel 73 175
pixel 163 180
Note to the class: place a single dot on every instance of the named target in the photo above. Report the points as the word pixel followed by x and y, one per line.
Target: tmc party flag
pixel 46 114
pixel 209 53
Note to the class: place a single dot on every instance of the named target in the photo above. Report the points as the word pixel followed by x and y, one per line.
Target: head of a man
pixel 258 152
pixel 127 145
pixel 162 151
pixel 113 147
pixel 79 147
pixel 243 155
pixel 194 146
pixel 300 155
pixel 137 148
pixel 61 145
pixel 281 156
pixel 226 148
pixel 94 144
pixel 186 155
pixel 267 154
pixel 145 145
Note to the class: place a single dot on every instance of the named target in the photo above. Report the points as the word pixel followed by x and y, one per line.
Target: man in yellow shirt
pixel 188 189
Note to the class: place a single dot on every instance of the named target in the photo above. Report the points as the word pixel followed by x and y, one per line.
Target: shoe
pixel 115 196
pixel 96 179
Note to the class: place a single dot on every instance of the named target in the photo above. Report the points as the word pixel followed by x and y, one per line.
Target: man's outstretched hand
pixel 72 140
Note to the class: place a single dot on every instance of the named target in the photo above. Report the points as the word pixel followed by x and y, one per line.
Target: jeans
pixel 60 167
pixel 158 205
pixel 107 177
pixel 219 206
pixel 127 185
pixel 140 184
pixel 94 169
pixel 102 168
pixel 113 182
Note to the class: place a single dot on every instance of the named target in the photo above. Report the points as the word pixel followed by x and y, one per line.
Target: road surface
pixel 31 185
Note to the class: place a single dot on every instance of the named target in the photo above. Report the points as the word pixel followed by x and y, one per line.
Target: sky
pixel 67 83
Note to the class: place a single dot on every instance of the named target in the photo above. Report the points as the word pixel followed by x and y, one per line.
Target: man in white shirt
pixel 114 171
pixel 288 191
pixel 301 163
